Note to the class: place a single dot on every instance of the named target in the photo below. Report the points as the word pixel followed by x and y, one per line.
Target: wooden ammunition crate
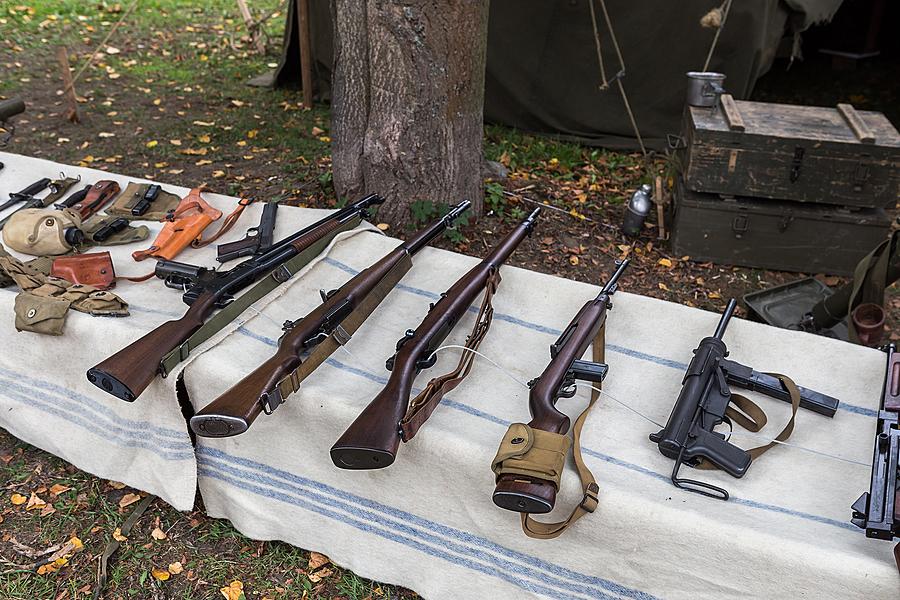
pixel 788 152
pixel 768 234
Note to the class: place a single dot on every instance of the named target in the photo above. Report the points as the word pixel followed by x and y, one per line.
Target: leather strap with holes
pixel 227 224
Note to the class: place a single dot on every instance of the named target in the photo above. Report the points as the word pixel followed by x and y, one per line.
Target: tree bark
pixel 408 99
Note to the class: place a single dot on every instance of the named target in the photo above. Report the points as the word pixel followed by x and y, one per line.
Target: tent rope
pixel 605 82
pixel 726 6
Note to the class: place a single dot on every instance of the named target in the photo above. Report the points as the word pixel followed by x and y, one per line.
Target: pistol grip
pixel 709 445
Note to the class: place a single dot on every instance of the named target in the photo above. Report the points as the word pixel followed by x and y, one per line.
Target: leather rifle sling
pixel 342 333
pixel 590 489
pixel 752 418
pixel 227 224
pixel 421 407
pixel 228 314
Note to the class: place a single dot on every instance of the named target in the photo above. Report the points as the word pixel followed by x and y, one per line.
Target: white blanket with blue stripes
pixel 427 522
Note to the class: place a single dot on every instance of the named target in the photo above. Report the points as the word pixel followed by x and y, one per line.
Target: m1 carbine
pixel 878 510
pixel 309 341
pixel 689 435
pixel 58 189
pixel 129 371
pixel 372 440
pixel 257 240
pixel 531 457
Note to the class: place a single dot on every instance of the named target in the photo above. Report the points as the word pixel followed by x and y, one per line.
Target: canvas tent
pixel 543 72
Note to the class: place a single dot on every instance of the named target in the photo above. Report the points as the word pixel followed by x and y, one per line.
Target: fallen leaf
pixel 116 485
pixel 317 132
pixel 662 286
pixel 202 162
pixel 237 103
pixel 157 102
pixel 317 560
pixel 106 134
pixel 325 139
pixel 112 50
pixel 117 535
pixel 160 574
pixel 114 75
pixel 383 226
pixel 175 142
pixel 252 133
pixel 175 568
pixel 218 174
pixel 176 171
pixel 204 123
pixel 47 510
pixel 573 260
pixel 714 296
pixel 320 575
pixel 161 165
pixel 18 499
pixel 34 502
pixel 234 591
pixel 194 151
pixel 152 144
pixel 203 139
pixel 128 499
pixel 158 534
pixel 664 262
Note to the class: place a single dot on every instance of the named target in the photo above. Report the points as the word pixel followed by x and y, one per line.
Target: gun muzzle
pixel 610 287
pixel 10 108
pixel 723 322
pixel 456 212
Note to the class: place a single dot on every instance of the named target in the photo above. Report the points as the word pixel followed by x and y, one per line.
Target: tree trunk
pixel 408 98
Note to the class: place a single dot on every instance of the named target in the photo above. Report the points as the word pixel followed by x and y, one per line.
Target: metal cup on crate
pixel 704 88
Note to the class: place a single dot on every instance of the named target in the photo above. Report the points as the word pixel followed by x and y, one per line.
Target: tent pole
pixel 305 50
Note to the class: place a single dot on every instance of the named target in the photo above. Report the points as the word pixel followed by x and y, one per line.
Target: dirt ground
pixel 149 110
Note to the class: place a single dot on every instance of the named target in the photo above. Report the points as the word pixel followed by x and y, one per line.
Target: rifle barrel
pixel 610 286
pixel 723 322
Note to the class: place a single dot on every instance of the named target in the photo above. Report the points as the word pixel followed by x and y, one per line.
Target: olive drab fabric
pixel 533 453
pixel 41 231
pixel 127 236
pixel 43 302
pixel 134 192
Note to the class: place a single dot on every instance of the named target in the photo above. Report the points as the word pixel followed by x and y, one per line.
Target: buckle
pixel 271 400
pixel 281 274
pixel 340 335
pixel 589 502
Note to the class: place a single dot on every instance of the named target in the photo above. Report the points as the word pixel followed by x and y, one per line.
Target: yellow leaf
pixel 128 499
pixel 193 151
pixel 114 75
pixel 383 226
pixel 320 575
pixel 158 534
pixel 665 262
pixel 176 171
pixel 76 543
pixel 175 568
pixel 18 499
pixel 88 159
pixel 237 103
pixel 662 286
pixel 252 133
pixel 116 485
pixel 242 143
pixel 233 591
pixel 157 102
pixel 34 502
pixel 202 162
pixel 573 260
pixel 714 295
pixel 161 165
pixel 175 142
pixel 325 139
pixel 152 144
pixel 117 535
pixel 160 574
pixel 317 560
pixel 204 123
pixel 218 174
pixel 203 139
pixel 248 157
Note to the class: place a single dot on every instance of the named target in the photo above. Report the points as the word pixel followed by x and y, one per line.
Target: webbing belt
pixel 751 417
pixel 340 336
pixel 421 407
pixel 225 316
pixel 590 489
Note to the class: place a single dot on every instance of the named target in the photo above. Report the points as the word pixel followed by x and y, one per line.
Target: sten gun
pixel 878 510
pixel 531 457
pixel 704 403
pixel 257 239
pixel 372 440
pixel 307 342
pixel 129 371
pixel 58 189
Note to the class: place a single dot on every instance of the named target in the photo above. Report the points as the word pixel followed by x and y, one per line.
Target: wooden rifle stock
pixel 234 411
pixel 524 494
pixel 372 440
pixel 129 371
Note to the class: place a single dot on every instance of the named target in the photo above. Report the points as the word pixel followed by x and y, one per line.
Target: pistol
pixel 257 239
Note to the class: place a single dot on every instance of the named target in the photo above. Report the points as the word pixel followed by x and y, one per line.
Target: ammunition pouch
pixel 41 314
pixel 532 453
pixel 165 203
pixel 43 232
pixel 127 236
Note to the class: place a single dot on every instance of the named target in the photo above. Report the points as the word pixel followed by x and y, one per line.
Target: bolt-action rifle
pixel 703 403
pixel 878 510
pixel 308 341
pixel 373 439
pixel 129 371
pixel 530 460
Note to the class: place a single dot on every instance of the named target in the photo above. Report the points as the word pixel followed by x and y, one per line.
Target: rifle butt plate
pixel 110 384
pixel 524 496
pixel 218 426
pixel 346 457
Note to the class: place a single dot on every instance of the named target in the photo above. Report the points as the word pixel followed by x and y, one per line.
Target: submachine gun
pixel 129 371
pixel 878 510
pixel 704 403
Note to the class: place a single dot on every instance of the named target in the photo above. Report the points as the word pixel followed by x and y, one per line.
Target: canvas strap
pixel 421 407
pixel 228 314
pixel 751 417
pixel 341 335
pixel 590 489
